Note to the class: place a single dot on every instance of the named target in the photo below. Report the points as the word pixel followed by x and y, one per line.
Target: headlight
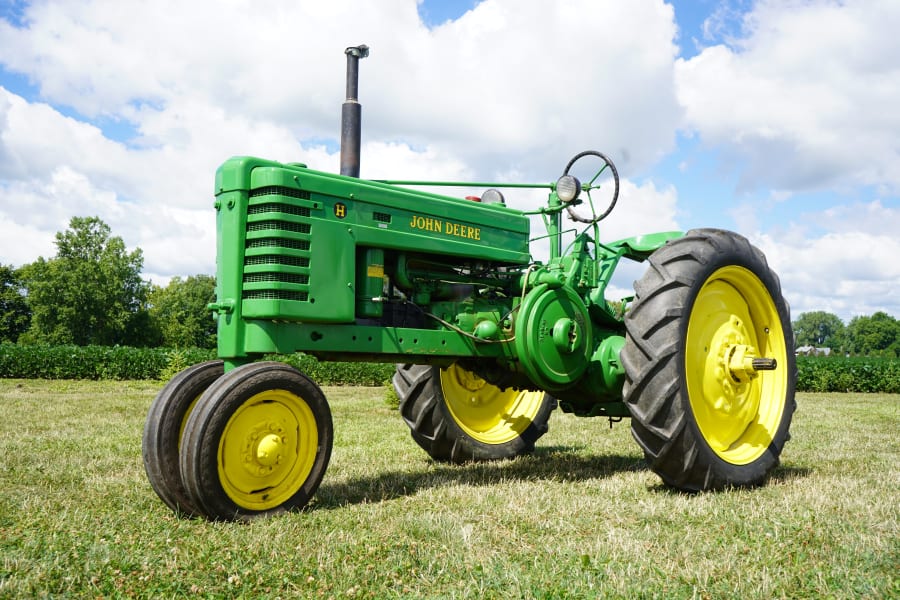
pixel 493 196
pixel 567 188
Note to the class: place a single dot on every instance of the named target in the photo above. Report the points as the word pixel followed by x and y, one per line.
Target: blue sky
pixel 775 119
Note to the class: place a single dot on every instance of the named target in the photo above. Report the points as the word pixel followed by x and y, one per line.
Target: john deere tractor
pixel 487 340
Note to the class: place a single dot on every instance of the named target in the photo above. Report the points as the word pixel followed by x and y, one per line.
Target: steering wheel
pixel 590 185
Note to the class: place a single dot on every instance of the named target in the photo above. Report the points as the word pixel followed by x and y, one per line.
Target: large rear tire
pixel 257 443
pixel 456 416
pixel 162 433
pixel 706 414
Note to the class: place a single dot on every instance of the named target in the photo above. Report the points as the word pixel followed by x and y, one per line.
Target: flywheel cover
pixel 553 337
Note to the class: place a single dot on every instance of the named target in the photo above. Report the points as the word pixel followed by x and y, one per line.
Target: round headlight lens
pixel 492 196
pixel 567 188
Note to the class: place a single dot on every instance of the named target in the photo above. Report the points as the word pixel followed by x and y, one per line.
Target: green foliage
pixel 854 374
pixel 15 315
pixel 91 292
pixel 36 361
pixel 818 328
pixel 815 374
pixel 179 312
pixel 391 399
pixel 176 361
pixel 338 373
pixel 878 335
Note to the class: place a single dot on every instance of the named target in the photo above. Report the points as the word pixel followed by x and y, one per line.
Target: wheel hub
pixel 744 363
pixel 471 383
pixel 264 448
pixel 268 451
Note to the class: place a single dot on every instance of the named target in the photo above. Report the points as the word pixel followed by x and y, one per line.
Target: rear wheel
pixel 257 443
pixel 162 433
pixel 709 363
pixel 457 416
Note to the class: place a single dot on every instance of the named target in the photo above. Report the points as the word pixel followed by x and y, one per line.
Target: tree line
pixel 874 335
pixel 91 293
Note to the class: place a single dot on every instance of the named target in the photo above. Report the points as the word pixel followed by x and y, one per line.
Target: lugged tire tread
pixel 434 430
pixel 651 358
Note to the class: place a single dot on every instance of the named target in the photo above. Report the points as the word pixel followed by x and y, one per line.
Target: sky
pixel 775 119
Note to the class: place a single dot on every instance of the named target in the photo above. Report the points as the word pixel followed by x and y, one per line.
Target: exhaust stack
pixel 351 113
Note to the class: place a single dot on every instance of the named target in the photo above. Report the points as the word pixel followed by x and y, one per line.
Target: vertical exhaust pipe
pixel 351 113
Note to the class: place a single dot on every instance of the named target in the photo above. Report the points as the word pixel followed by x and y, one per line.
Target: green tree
pixel 818 328
pixel 179 312
pixel 876 334
pixel 15 315
pixel 91 292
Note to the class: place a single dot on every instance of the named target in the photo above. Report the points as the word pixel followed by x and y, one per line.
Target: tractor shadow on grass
pixel 552 463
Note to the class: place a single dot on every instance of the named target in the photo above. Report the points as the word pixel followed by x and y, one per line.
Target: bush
pixel 814 374
pixel 841 374
pixel 121 362
pixel 338 373
pixel 391 399
pixel 90 362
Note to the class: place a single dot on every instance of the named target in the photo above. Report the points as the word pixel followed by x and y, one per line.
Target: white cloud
pixel 509 79
pixel 806 100
pixel 719 25
pixel 872 218
pixel 503 89
pixel 642 209
pixel 801 97
pixel 849 270
pixel 35 140
pixel 393 160
pixel 29 242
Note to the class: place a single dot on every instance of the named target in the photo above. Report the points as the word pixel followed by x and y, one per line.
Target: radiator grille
pixel 276 258
pixel 276 295
pixel 276 277
pixel 291 244
pixel 270 207
pixel 278 225
pixel 277 190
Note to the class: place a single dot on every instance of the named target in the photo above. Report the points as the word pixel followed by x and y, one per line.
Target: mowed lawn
pixel 581 518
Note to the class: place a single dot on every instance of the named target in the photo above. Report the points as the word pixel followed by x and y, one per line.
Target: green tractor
pixel 487 340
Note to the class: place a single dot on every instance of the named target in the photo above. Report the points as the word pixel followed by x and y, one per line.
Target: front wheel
pixel 162 433
pixel 709 363
pixel 456 416
pixel 257 443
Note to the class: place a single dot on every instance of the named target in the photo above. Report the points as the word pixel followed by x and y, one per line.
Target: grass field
pixel 582 518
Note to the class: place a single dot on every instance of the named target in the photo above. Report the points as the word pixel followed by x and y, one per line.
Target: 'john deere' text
pixel 446 227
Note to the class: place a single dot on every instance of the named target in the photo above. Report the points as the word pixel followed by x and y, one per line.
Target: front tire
pixel 705 413
pixel 162 433
pixel 456 416
pixel 257 443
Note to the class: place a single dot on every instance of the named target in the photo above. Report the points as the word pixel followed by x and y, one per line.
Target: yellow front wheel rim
pixel 485 412
pixel 267 450
pixel 184 419
pixel 737 409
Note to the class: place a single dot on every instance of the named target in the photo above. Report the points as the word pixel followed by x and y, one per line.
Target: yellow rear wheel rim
pixel 737 411
pixel 267 450
pixel 485 412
